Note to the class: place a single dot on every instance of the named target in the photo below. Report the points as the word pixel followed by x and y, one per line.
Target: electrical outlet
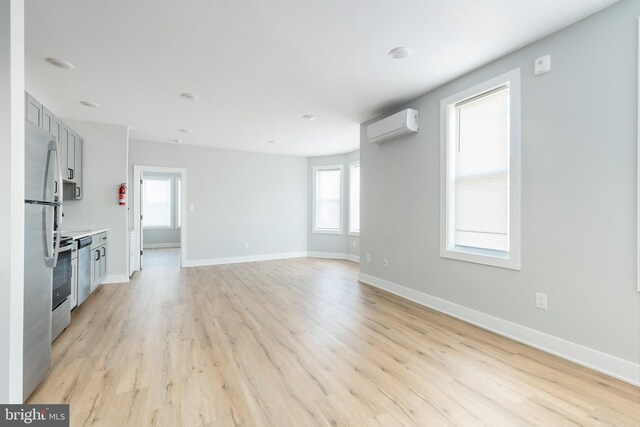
pixel 191 207
pixel 354 244
pixel 541 301
pixel 368 258
pixel 385 262
pixel 246 245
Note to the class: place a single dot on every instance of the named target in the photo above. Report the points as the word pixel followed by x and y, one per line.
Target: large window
pixel 481 182
pixel 354 198
pixel 161 207
pixel 327 199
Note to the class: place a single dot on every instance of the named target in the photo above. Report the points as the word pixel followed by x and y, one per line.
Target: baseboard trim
pixel 334 255
pixel 328 255
pixel 161 245
pixel 241 259
pixel 115 278
pixel 607 364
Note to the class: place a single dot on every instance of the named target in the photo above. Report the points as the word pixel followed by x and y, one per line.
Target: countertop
pixel 79 234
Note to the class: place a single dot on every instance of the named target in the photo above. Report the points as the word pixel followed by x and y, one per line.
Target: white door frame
pixel 138 171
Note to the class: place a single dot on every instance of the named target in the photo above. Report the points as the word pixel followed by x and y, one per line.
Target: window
pixel 481 174
pixel 161 202
pixel 354 198
pixel 327 198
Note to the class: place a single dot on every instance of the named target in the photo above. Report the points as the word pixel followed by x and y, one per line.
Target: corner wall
pixel 105 160
pixel 12 212
pixel 332 245
pixel 238 197
pixel 579 125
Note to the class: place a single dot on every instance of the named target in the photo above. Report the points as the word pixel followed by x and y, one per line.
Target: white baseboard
pixel 334 255
pixel 115 278
pixel 239 259
pixel 269 257
pixel 329 255
pixel 161 245
pixel 610 365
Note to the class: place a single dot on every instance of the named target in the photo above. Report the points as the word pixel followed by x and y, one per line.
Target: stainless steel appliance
pixel 43 209
pixel 84 268
pixel 61 292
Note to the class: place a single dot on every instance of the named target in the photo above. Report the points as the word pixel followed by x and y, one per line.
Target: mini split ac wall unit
pixel 400 124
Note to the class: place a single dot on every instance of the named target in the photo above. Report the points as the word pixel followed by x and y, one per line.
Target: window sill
pixel 161 228
pixel 326 231
pixel 354 233
pixel 481 256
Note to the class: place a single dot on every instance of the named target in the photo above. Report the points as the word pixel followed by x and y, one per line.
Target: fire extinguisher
pixel 123 194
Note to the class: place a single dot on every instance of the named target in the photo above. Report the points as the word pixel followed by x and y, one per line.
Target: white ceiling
pixel 258 65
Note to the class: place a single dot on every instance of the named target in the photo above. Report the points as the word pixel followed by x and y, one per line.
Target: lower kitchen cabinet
pixel 98 260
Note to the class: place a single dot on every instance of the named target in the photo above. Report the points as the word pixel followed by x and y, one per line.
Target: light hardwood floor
pixel 300 342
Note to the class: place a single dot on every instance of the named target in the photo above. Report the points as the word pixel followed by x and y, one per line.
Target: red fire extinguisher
pixel 123 193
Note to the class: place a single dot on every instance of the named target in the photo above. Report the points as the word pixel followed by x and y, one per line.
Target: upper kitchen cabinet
pixel 33 109
pixel 70 145
pixel 64 148
pixel 77 166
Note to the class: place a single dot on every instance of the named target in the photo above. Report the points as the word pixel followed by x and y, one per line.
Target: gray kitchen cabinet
pixel 64 148
pixel 56 130
pixel 103 263
pixel 47 121
pixel 98 259
pixel 78 167
pixel 71 156
pixel 70 146
pixel 95 268
pixel 33 110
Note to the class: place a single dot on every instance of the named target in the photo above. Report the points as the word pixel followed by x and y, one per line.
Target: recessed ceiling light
pixel 190 96
pixel 61 63
pixel 177 141
pixel 90 104
pixel 400 52
pixel 186 130
pixel 309 117
pixel 271 141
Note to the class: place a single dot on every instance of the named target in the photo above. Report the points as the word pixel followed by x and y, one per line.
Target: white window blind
pixel 482 171
pixel 354 198
pixel 327 199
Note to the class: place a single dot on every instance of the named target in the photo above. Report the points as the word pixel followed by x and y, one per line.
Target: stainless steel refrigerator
pixel 42 210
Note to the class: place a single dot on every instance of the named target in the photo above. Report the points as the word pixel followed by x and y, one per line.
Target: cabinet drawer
pixel 98 240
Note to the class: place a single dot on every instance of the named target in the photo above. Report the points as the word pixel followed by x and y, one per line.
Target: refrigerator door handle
pixel 53 146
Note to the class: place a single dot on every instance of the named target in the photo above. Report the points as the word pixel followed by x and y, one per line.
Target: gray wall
pixel 161 237
pixel 105 154
pixel 337 244
pixel 12 212
pixel 238 197
pixel 578 193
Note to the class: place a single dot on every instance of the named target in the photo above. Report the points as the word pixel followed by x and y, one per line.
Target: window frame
pixel 175 201
pixel 315 171
pixel 351 166
pixel 512 258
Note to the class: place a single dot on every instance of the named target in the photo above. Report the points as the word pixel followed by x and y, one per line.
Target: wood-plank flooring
pixel 301 343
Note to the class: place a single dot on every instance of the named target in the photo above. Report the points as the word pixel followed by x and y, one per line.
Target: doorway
pixel 159 214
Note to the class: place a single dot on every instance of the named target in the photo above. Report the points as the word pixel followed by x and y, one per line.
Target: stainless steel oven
pixel 62 281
